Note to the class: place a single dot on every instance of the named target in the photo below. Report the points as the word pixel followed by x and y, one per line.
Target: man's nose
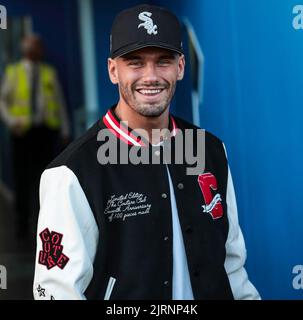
pixel 150 73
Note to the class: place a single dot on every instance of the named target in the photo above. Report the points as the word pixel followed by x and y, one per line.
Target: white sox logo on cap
pixel 148 23
pixel 145 26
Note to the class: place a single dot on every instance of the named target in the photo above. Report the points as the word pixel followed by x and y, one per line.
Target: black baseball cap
pixel 145 26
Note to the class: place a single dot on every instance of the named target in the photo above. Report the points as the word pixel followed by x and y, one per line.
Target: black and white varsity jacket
pixel 105 230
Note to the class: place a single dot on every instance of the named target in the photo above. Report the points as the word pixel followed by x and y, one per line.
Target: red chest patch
pixel 213 205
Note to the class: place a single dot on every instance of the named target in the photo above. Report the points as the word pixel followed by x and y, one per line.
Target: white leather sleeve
pixel 65 210
pixel 241 287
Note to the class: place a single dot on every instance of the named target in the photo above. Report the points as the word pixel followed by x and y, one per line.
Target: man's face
pixel 32 48
pixel 147 78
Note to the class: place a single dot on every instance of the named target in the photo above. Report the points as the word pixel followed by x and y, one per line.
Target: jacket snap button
pixel 166 283
pixel 166 238
pixel 164 195
pixel 180 186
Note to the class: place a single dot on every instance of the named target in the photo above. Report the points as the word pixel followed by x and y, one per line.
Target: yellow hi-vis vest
pixel 20 98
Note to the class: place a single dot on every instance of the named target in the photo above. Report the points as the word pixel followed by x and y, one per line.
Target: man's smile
pixel 149 92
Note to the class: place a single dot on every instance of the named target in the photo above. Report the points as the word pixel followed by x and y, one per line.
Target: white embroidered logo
pixel 208 208
pixel 127 205
pixel 148 23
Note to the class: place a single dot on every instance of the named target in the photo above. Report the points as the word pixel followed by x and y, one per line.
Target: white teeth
pixel 153 91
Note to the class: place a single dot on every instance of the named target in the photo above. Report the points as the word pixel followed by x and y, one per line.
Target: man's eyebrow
pixel 168 56
pixel 131 57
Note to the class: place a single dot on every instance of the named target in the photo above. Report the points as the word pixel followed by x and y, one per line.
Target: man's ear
pixel 181 67
pixel 112 70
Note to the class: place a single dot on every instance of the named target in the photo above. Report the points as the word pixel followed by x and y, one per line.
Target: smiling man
pixel 141 231
pixel 147 80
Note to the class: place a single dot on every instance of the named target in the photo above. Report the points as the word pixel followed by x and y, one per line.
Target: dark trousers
pixel 31 153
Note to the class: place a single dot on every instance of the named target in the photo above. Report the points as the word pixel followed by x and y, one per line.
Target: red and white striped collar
pixel 121 131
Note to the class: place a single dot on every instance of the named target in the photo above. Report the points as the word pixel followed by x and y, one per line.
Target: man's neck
pixel 138 122
pixel 29 62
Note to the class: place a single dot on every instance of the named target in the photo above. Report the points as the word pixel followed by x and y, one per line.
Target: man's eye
pixel 135 63
pixel 164 62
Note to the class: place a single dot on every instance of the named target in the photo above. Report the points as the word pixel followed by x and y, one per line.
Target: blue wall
pixel 253 100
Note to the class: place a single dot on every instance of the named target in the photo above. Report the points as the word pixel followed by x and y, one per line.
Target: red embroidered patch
pixel 213 205
pixel 52 254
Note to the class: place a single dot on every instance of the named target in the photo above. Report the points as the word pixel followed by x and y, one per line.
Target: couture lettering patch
pixel 52 254
pixel 128 205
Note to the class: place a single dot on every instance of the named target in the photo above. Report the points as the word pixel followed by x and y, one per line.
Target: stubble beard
pixel 147 109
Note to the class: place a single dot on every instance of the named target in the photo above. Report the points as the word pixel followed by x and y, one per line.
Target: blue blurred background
pixel 243 83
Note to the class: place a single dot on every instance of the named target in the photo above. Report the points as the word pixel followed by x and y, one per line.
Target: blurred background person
pixel 32 107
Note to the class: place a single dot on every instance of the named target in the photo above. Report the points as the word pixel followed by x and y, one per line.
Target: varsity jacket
pixel 105 229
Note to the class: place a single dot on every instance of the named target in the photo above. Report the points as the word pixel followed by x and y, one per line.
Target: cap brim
pixel 128 49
